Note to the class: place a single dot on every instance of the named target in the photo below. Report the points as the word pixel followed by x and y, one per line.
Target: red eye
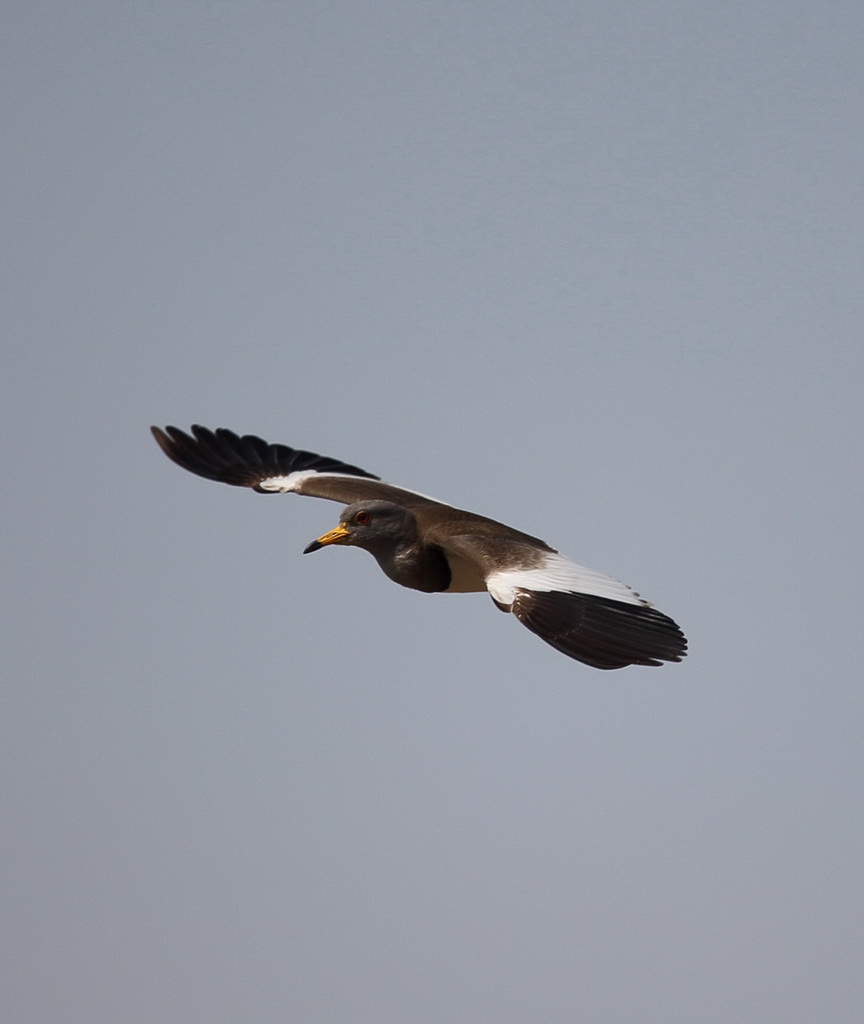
pixel 362 518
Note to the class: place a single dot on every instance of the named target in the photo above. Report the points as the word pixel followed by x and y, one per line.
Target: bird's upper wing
pixel 248 461
pixel 582 613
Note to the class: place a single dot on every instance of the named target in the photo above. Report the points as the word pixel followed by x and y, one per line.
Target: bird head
pixel 371 525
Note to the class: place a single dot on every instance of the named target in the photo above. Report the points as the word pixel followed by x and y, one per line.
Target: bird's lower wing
pixel 581 613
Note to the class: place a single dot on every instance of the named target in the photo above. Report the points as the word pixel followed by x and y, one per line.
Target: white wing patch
pixel 286 482
pixel 556 572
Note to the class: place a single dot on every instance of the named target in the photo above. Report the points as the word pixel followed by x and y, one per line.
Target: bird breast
pixel 464 577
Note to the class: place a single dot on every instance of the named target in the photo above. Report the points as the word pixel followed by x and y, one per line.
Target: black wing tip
pixel 242 460
pixel 600 631
pixel 162 438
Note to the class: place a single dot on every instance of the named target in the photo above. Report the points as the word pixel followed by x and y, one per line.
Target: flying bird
pixel 426 545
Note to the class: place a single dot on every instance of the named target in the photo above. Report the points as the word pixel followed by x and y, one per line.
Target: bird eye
pixel 362 517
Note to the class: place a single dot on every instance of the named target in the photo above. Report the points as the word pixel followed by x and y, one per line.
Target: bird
pixel 427 545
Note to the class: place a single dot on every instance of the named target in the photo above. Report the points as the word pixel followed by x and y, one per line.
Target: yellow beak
pixel 338 535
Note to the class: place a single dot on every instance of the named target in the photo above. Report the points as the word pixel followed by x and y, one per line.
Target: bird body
pixel 427 545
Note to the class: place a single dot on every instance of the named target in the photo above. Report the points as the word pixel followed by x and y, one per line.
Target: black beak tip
pixel 312 547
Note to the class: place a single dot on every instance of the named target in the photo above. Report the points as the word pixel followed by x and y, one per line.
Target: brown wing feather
pixel 349 489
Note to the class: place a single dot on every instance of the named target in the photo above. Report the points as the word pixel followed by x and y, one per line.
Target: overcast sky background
pixel 594 269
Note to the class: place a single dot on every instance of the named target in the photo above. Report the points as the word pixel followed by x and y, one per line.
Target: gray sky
pixel 592 269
